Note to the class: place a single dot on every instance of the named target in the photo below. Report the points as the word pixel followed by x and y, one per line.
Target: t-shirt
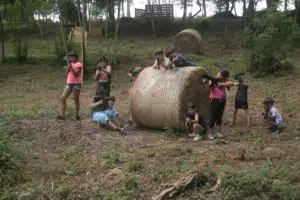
pixel 104 77
pixel 201 120
pixel 276 116
pixel 71 79
pixel 166 62
pixel 182 61
pixel 102 106
pixel 217 92
pixel 242 93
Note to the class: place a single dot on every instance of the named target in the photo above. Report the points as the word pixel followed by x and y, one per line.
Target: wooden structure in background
pixel 95 28
pixel 163 12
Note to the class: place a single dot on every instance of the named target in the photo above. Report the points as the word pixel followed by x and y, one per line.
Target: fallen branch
pixel 195 179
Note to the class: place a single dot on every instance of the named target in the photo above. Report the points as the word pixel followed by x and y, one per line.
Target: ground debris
pixel 192 180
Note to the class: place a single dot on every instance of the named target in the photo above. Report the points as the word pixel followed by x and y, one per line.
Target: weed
pixel 134 166
pixel 111 158
pixel 267 180
pixel 9 158
pixel 63 192
pixel 161 174
pixel 71 154
pixel 150 154
pixel 179 151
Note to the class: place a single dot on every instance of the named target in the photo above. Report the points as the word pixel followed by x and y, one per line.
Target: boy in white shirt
pixel 272 115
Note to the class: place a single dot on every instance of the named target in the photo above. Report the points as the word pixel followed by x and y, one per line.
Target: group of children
pixel 198 126
pixel 104 113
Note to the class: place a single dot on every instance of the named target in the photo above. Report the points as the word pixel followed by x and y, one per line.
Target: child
pixel 73 75
pixel 241 98
pixel 161 60
pixel 179 60
pixel 103 75
pixel 134 72
pixel 272 115
pixel 218 101
pixel 195 122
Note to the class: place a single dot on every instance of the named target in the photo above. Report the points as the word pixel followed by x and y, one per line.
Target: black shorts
pixel 217 107
pixel 240 105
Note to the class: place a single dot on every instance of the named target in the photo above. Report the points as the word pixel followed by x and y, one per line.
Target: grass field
pixel 80 160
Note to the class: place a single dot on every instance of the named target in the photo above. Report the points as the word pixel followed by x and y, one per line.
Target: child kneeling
pixel 194 122
pixel 272 115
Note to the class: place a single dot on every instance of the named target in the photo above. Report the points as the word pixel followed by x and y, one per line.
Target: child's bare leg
pixel 111 125
pixel 117 120
pixel 196 128
pixel 234 116
pixel 63 101
pixel 76 95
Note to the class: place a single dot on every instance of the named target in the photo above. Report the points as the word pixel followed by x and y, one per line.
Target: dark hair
pixel 101 59
pixel 191 105
pixel 225 73
pixel 169 52
pixel 73 54
pixel 268 100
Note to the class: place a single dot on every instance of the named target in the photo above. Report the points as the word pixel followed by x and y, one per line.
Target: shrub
pixel 269 39
pixel 8 159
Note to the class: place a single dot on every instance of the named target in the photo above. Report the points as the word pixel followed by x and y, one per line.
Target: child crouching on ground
pixel 272 115
pixel 194 122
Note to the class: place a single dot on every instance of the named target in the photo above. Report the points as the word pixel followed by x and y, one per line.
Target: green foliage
pixel 269 39
pixel 266 181
pixel 60 50
pixel 111 159
pixel 63 192
pixel 134 166
pixel 9 157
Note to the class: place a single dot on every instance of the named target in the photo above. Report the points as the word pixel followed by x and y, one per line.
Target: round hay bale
pixel 158 97
pixel 188 41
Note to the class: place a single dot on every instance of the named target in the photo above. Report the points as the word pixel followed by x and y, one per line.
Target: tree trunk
pixel 111 10
pixel 40 26
pixel 226 25
pixel 244 18
pixel 285 5
pixel 83 56
pixel 116 34
pixel 106 32
pixel 184 10
pixel 297 9
pixel 2 40
pixel 204 8
pixel 269 3
pixel 123 11
pixel 128 8
pixel 78 13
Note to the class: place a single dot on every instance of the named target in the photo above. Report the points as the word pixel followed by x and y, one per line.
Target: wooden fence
pixel 163 12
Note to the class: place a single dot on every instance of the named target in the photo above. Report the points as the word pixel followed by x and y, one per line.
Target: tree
pixel 204 8
pixel 184 4
pixel 116 34
pixel 297 9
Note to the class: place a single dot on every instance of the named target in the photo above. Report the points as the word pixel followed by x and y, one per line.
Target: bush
pixel 8 159
pixel 269 40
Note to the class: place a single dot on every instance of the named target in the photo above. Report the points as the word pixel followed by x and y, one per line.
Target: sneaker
pixel 219 135
pixel 210 136
pixel 77 118
pixel 60 117
pixel 192 135
pixel 198 137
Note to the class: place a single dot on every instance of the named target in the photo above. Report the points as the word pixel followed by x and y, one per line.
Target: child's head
pixel 223 74
pixel 102 61
pixel 268 102
pixel 73 57
pixel 170 53
pixel 191 107
pixel 159 54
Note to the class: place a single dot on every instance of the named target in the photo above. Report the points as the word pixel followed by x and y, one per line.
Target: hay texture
pixel 158 97
pixel 187 41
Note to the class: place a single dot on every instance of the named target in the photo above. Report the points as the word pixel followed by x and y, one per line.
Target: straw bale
pixel 158 97
pixel 188 41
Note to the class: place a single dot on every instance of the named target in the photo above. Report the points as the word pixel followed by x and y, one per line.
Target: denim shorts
pixel 76 86
pixel 101 117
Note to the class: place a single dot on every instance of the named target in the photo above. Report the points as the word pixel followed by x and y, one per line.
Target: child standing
pixel 103 76
pixel 241 98
pixel 272 115
pixel 74 80
pixel 194 122
pixel 218 102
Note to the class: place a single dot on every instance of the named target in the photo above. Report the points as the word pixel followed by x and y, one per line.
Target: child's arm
pixel 94 105
pixel 76 71
pixel 196 118
pixel 226 84
pixel 96 78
